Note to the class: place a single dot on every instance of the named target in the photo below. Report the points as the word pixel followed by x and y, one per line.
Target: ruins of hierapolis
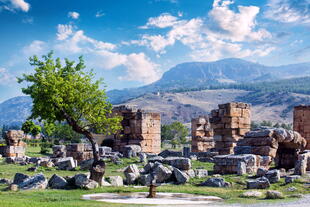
pixel 223 137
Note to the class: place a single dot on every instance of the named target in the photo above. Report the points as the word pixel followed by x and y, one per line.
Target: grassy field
pixel 68 198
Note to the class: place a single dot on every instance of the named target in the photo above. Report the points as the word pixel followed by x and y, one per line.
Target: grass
pixel 68 198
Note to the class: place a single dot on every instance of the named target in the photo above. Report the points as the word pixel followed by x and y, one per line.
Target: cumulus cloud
pixel 103 55
pixel 36 47
pixel 6 77
pixel 223 34
pixel 13 5
pixel 289 11
pixel 73 15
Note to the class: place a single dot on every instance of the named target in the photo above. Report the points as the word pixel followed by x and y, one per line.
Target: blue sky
pixel 133 42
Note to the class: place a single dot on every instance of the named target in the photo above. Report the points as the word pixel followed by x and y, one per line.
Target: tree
pixel 29 127
pixel 68 93
pixel 175 133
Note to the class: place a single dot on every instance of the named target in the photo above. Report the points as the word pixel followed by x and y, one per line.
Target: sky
pixel 131 43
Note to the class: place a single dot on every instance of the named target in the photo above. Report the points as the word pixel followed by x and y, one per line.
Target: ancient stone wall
pixel 302 122
pixel 230 123
pixel 15 147
pixel 202 135
pixel 79 151
pixel 139 128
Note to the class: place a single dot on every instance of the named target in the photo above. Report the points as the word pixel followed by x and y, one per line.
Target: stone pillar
pixel 15 147
pixel 202 135
pixel 301 122
pixel 230 123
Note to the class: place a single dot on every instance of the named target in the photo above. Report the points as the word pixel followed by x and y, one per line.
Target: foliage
pixel 29 127
pixel 264 123
pixel 174 133
pixel 64 132
pixel 68 93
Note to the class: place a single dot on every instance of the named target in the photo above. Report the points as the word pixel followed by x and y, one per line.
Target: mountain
pixel 15 111
pixel 204 74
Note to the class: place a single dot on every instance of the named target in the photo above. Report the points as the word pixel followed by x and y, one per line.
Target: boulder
pixel 162 173
pixel 261 172
pixel 145 179
pixel 67 163
pixel 131 150
pixel 104 150
pixel 201 173
pixel 37 181
pixel 104 183
pixel 13 187
pixel 178 162
pixel 259 183
pixel 155 159
pixel 169 153
pixel 180 176
pixel 215 182
pixel 82 181
pixel 5 181
pixel 273 194
pixel 57 182
pixel 148 167
pixel 252 194
pixel 48 164
pixel 86 164
pixel 291 179
pixel 116 181
pixel 191 173
pixel 131 173
pixel 19 178
pixel 273 176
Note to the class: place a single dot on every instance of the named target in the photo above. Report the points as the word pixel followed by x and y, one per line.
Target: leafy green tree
pixel 68 93
pixel 175 133
pixel 29 127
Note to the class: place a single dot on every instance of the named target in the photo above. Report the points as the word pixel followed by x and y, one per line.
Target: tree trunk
pixel 98 168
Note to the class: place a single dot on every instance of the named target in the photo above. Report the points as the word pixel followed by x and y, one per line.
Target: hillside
pixel 276 107
pixel 212 74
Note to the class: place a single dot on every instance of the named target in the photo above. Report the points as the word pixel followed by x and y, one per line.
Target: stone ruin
pixel 15 147
pixel 139 128
pixel 202 135
pixel 230 123
pixel 301 122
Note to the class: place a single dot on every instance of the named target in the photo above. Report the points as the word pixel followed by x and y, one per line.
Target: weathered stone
pixel 104 183
pixel 57 182
pixel 259 183
pixel 104 150
pixel 252 194
pixel 180 176
pixel 131 173
pixel 291 179
pixel 145 179
pixel 291 189
pixel 162 173
pixel 86 164
pixel 261 172
pixel 273 176
pixel 13 187
pixel 156 159
pixel 142 157
pixel 67 163
pixel 191 173
pixel 178 162
pixel 5 181
pixel 35 182
pixel 48 164
pixel 272 194
pixel 148 167
pixel 19 178
pixel 241 168
pixel 215 182
pixel 201 173
pixel 169 153
pixel 82 181
pixel 32 169
pixel 116 181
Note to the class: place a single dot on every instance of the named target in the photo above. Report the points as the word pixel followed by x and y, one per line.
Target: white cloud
pixel 162 21
pixel 13 5
pixel 225 33
pixel 36 47
pixel 74 15
pixel 102 55
pixel 99 14
pixel 5 77
pixel 289 11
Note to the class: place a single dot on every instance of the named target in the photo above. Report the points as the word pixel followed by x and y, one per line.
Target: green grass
pixel 68 198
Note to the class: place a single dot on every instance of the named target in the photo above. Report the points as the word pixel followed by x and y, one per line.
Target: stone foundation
pixel 202 135
pixel 230 123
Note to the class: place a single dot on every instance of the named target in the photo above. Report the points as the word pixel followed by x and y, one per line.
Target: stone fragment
pixel 57 182
pixel 148 167
pixel 252 194
pixel 82 181
pixel 116 181
pixel 86 164
pixel 104 183
pixel 241 168
pixel 201 173
pixel 5 181
pixel 261 172
pixel 48 164
pixel 145 179
pixel 13 187
pixel 215 182
pixel 35 182
pixel 180 176
pixel 169 153
pixel 259 183
pixel 19 178
pixel 142 157
pixel 131 173
pixel 156 159
pixel 291 179
pixel 162 174
pixel 104 150
pixel 131 150
pixel 179 162
pixel 67 163
pixel 273 194
pixel 273 176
